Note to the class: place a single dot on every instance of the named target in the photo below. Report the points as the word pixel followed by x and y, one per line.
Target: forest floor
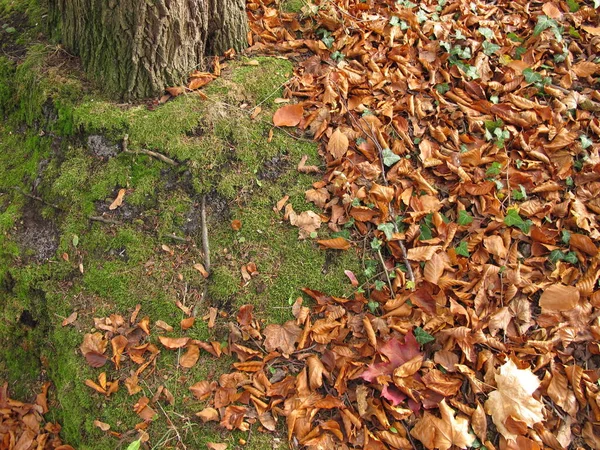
pixel 375 229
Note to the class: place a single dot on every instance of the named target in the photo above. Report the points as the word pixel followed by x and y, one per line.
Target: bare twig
pixel 104 220
pixel 144 151
pixel 35 197
pixel 175 237
pixel 205 243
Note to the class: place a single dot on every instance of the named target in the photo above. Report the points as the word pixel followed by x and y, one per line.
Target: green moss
pixel 223 285
pixel 263 82
pixel 293 6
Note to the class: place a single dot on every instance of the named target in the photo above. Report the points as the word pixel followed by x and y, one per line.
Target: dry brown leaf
pixel 445 432
pixel 208 415
pixel 338 144
pixel 200 268
pixel 585 68
pixel 318 196
pixel 288 116
pixel 315 372
pixel 303 168
pixel 551 10
pixel 236 225
pixel 164 325
pixel 338 243
pixel 434 268
pixel 202 389
pixel 69 320
pixel 583 243
pixel 118 343
pixel 173 343
pixel 187 323
pixel 513 398
pixel 559 297
pixel 216 446
pixel 282 337
pixel 117 201
pixel 308 222
pixel 190 358
pixel 422 253
pixel 103 426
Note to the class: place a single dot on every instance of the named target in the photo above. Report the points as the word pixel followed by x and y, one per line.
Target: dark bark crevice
pixel 134 48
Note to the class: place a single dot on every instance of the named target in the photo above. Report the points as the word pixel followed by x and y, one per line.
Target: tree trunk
pixel 135 48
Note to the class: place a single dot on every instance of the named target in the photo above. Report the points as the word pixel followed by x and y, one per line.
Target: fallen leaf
pixel 338 243
pixel 303 168
pixel 190 358
pixel 117 201
pixel 187 323
pixel 308 222
pixel 236 225
pixel 338 144
pixel 103 426
pixel 282 337
pixel 173 343
pixel 164 325
pixel 513 398
pixel 200 268
pixel 288 116
pixel 208 415
pixel 445 432
pixel 559 297
pixel 69 320
pixel 216 446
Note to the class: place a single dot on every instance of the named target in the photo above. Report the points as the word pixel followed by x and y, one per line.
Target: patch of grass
pixel 293 6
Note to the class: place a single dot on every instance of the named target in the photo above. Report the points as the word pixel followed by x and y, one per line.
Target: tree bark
pixel 135 48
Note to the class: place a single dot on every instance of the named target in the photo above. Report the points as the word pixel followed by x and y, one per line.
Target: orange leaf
pixel 173 343
pixel 422 253
pixel 69 320
pixel 583 243
pixel 202 389
pixel 585 68
pixel 187 323
pixel 175 91
pixel 190 358
pixel 236 225
pixel 200 81
pixel 288 116
pixel 434 268
pixel 118 345
pixel 338 144
pixel 200 268
pixel 208 415
pixel 118 201
pixel 338 243
pixel 559 297
pixel 103 426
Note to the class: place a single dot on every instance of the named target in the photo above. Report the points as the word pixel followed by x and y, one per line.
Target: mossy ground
pixel 54 260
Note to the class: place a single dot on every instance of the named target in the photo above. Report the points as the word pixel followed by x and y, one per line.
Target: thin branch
pixel 205 243
pixel 144 151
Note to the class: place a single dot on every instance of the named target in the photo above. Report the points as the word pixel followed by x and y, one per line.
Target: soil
pixel 8 34
pixel 101 147
pixel 124 213
pixel 38 234
pixel 274 168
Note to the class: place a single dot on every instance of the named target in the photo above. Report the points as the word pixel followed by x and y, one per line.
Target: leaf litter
pixel 461 139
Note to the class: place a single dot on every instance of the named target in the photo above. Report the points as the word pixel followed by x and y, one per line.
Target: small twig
pixel 144 151
pixel 408 435
pixel 35 197
pixel 205 243
pixel 104 220
pixel 175 237
pixel 387 275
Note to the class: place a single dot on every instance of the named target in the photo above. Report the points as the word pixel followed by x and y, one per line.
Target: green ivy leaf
pixel 462 249
pixel 388 229
pixel 519 194
pixel 489 48
pixel 389 157
pixel 442 88
pixel 464 218
pixel 422 336
pixel 513 219
pixel 513 37
pixel 376 244
pixel 571 257
pixel 486 32
pixel 531 76
pixel 543 23
pixel 573 5
pixel 585 141
pixel 555 255
pixel 565 236
pixel 493 170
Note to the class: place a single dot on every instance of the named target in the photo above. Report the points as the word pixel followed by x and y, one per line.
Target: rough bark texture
pixel 135 48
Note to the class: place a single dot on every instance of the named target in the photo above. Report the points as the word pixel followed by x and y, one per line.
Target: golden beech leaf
pixel 513 399
pixel 216 446
pixel 585 69
pixel 190 358
pixel 422 253
pixel 288 116
pixel 282 337
pixel 117 201
pixel 338 144
pixel 445 432
pixel 559 297
pixel 338 243
pixel 434 269
pixel 208 415
pixel 559 392
pixel 173 343
pixel 315 372
pixel 202 389
pixel 118 344
pixel 583 243
pixel 103 426
pixel 187 323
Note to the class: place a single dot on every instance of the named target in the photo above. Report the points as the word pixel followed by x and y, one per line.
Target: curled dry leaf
pixel 288 116
pixel 173 343
pixel 69 320
pixel 445 432
pixel 118 201
pixel 308 222
pixel 302 167
pixel 236 225
pixel 200 268
pixel 190 358
pixel 208 415
pixel 187 323
pixel 338 243
pixel 103 426
pixel 216 446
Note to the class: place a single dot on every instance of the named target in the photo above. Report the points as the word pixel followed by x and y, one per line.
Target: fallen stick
pixel 143 151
